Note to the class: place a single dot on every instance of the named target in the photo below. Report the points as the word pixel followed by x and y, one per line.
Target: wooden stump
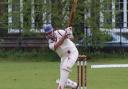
pixel 82 71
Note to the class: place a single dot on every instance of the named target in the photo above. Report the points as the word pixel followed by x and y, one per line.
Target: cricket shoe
pixel 69 84
pixel 75 87
pixel 57 81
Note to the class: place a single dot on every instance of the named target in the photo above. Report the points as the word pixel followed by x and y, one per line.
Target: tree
pixel 58 11
pixel 3 17
pixel 93 9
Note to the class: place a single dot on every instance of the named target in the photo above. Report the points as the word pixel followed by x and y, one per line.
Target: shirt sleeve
pixel 61 32
pixel 51 44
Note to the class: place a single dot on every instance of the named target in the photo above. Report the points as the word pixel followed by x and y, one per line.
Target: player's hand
pixel 68 30
pixel 69 33
pixel 66 36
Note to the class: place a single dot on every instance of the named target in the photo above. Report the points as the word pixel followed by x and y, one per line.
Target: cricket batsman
pixel 60 42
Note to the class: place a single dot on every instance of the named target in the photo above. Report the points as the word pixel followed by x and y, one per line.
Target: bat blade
pixel 72 13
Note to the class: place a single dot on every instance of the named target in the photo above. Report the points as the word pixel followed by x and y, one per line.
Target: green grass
pixel 107 78
pixel 113 78
pixel 42 75
pixel 29 75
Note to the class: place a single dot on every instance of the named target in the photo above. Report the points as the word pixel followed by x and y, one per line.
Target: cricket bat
pixel 72 13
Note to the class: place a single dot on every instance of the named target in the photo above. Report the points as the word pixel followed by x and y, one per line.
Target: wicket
pixel 81 70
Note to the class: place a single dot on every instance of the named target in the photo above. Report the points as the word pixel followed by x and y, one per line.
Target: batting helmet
pixel 48 28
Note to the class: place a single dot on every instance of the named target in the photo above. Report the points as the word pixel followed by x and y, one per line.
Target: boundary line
pixel 110 66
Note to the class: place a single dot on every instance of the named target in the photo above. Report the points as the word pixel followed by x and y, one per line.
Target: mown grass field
pixel 42 75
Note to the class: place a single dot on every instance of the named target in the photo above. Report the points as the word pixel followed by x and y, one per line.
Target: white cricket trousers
pixel 67 62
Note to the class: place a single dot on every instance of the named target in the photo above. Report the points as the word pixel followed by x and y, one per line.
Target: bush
pixel 27 55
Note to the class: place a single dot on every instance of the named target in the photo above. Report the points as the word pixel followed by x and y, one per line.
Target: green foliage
pixel 27 15
pixel 28 55
pixel 92 20
pixel 57 12
pixel 48 55
pixel 3 18
pixel 98 55
pixel 79 19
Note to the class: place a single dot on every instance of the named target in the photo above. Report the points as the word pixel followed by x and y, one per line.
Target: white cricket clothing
pixel 69 32
pixel 69 83
pixel 67 62
pixel 68 53
pixel 65 47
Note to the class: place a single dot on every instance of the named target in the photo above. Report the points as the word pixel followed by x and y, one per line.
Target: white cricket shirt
pixel 65 47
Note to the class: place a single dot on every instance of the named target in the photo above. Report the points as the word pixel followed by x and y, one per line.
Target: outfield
pixel 42 75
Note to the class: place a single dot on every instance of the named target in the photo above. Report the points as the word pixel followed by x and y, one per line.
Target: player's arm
pixel 60 42
pixel 69 32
